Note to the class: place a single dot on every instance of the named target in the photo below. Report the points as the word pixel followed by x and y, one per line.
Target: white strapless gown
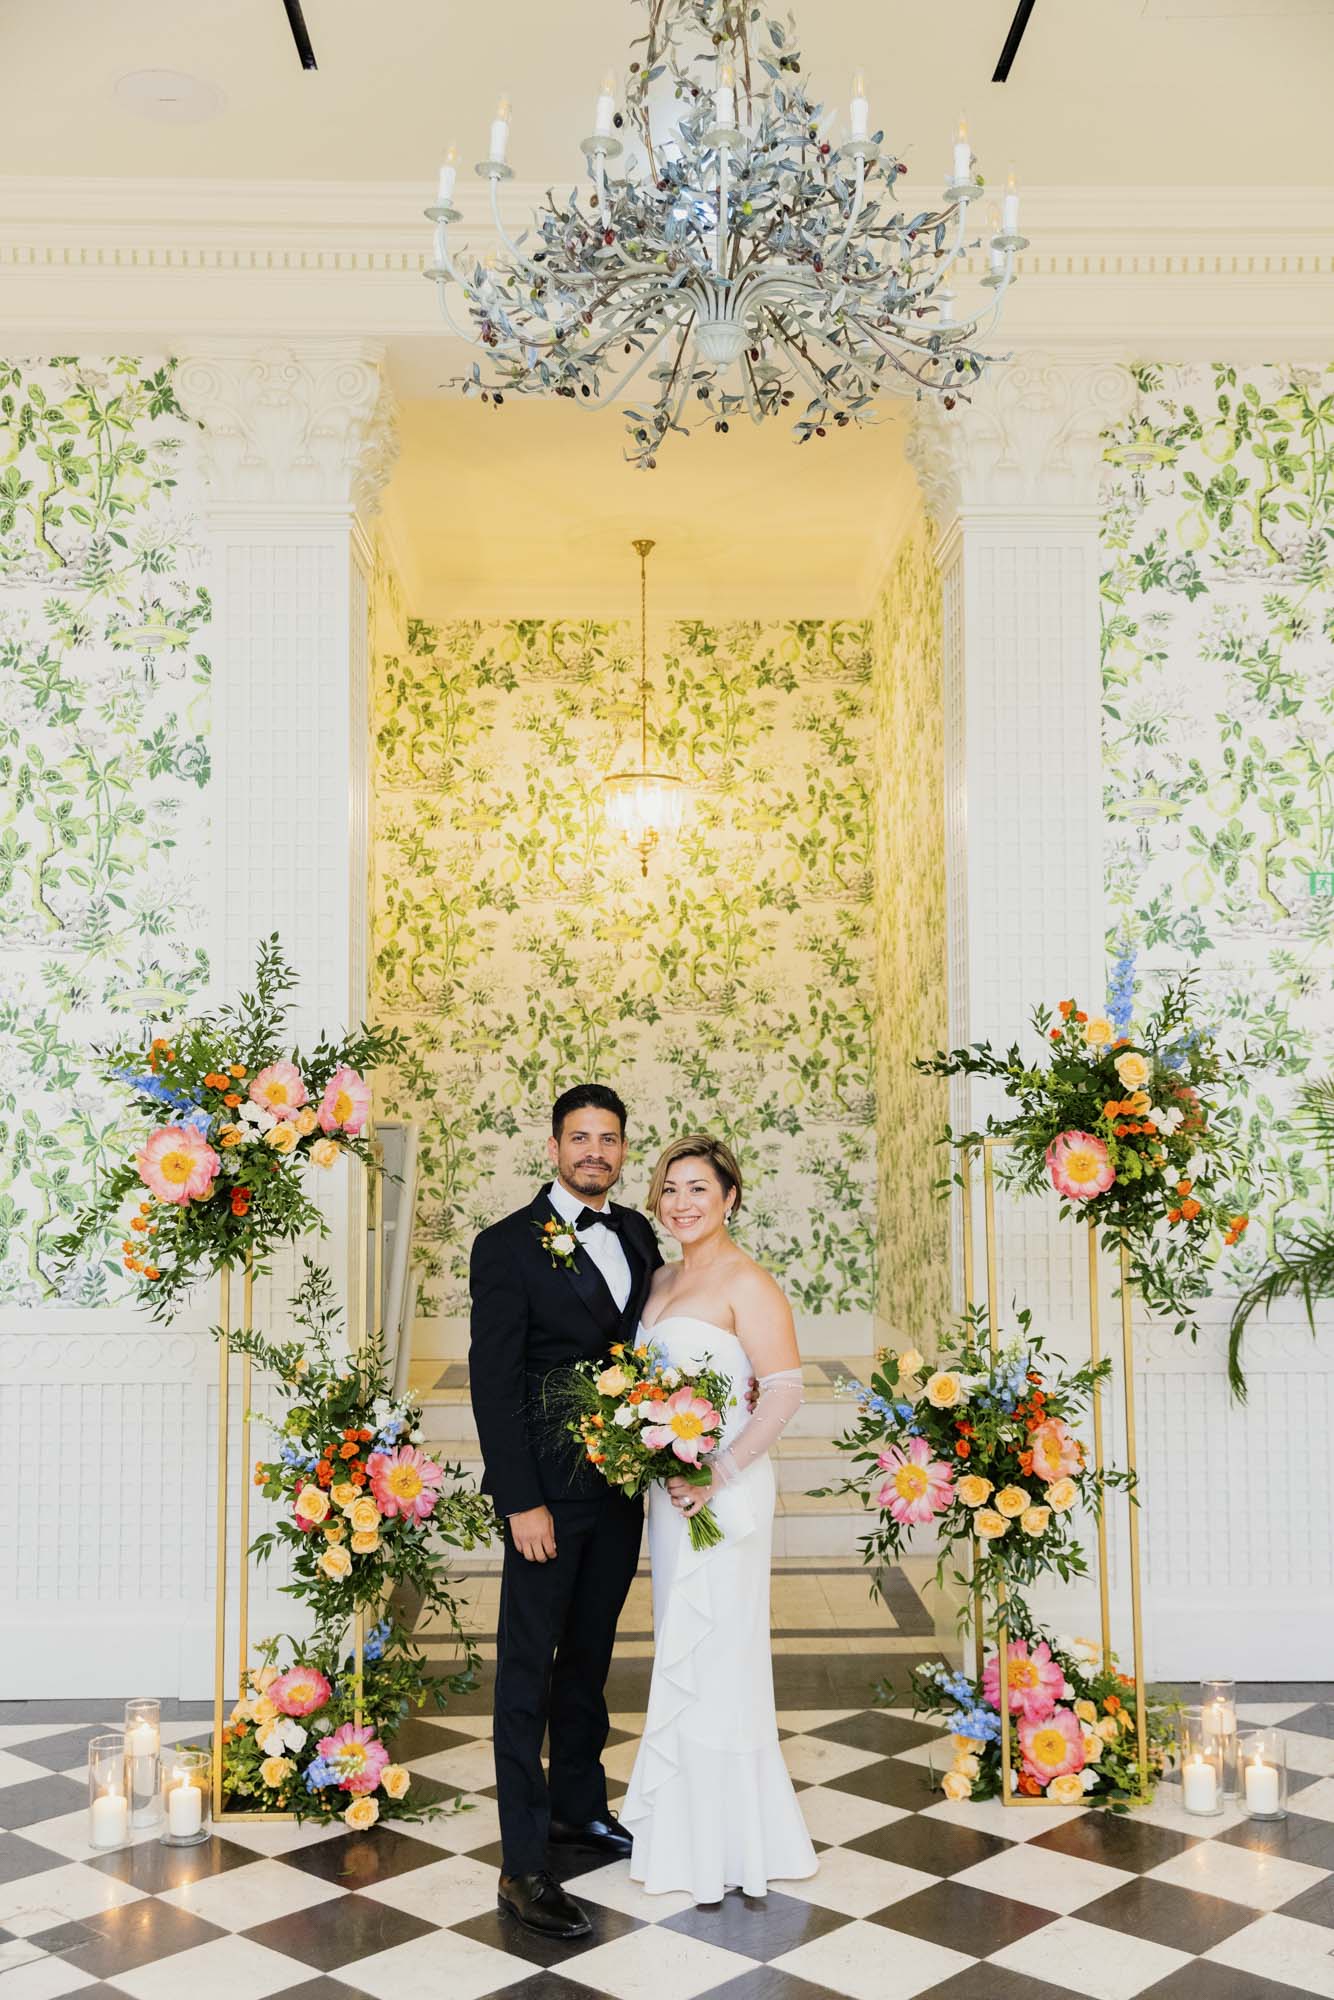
pixel 710 1804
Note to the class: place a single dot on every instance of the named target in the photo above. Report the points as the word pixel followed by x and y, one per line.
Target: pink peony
pixel 1079 1166
pixel 356 1755
pixel 1052 1746
pixel 1035 1680
pixel 300 1691
pixel 681 1424
pixel 178 1164
pixel 405 1482
pixel 918 1487
pixel 279 1089
pixel 1056 1450
pixel 346 1102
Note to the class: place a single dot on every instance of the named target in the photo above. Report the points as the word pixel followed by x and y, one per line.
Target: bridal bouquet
pixel 1072 1724
pixel 231 1115
pixel 1134 1128
pixel 981 1449
pixel 638 1421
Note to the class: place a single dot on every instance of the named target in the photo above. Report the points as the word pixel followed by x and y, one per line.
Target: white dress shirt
pixel 603 1245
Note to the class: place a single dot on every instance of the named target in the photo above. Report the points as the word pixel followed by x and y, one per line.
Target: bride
pixel 710 1805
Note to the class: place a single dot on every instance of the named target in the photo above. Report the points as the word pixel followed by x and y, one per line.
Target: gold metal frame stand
pixel 989 1147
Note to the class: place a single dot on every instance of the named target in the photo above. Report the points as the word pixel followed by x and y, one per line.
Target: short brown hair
pixel 697 1146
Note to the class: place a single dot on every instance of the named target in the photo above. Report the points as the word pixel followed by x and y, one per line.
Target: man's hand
pixel 534 1534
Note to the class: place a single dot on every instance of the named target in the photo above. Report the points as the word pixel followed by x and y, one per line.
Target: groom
pixel 571 1541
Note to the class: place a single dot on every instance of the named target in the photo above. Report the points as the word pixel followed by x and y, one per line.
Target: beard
pixel 591 1177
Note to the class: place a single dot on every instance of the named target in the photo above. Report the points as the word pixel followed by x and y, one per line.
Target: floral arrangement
pixel 1131 1128
pixel 638 1421
pixel 233 1116
pixel 1072 1724
pixel 981 1449
pixel 366 1510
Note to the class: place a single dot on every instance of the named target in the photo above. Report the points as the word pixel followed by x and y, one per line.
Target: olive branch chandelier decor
pixel 747 259
pixel 642 804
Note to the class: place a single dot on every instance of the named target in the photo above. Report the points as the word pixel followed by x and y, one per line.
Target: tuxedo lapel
pixel 584 1277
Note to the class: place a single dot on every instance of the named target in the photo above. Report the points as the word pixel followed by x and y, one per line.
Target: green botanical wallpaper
pixel 913 1280
pixel 104 694
pixel 1218 667
pixel 515 938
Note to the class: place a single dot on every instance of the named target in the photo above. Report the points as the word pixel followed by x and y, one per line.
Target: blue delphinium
pixel 1175 1057
pixel 295 1456
pixel 153 1086
pixel 1121 990
pixel 983 1724
pixel 198 1119
pixel 376 1640
pixel 319 1774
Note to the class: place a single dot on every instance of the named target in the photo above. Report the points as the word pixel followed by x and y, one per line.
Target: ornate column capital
pixel 1029 441
pixel 308 427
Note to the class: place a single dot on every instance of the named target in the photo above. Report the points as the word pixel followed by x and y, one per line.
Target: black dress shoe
pixel 542 1905
pixel 605 1836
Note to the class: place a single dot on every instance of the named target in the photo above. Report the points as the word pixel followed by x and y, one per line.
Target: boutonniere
pixel 559 1241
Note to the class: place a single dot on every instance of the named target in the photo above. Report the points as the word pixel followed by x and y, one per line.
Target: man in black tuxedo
pixel 571 1541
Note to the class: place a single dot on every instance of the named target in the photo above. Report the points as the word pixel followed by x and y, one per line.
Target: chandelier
pixel 747 258
pixel 641 804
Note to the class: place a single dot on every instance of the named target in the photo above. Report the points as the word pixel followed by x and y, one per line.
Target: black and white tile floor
pixel 915 1896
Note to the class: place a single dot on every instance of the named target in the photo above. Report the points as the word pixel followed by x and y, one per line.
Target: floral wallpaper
pixel 516 940
pixel 1218 670
pixel 913 1273
pixel 104 767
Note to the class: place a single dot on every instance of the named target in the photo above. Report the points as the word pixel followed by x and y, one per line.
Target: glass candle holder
pixel 1263 1761
pixel 1218 1711
pixel 187 1781
pixel 1201 1756
pixel 143 1761
pixel 108 1806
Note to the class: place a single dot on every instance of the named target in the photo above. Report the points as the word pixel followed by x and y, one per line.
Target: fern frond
pixel 1304 1269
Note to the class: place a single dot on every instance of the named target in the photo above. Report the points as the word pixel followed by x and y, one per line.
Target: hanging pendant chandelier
pixel 644 806
pixel 749 260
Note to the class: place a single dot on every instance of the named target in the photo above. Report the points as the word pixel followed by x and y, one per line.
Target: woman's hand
pixel 689 1498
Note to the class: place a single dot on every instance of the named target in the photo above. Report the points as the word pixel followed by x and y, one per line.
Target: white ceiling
pixel 1103 92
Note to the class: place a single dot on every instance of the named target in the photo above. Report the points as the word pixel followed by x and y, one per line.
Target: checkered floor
pixel 914 1897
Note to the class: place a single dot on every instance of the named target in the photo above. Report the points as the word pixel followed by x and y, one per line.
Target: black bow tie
pixel 606 1216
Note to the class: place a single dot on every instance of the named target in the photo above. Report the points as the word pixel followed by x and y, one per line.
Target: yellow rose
pixel 972 1489
pixel 312 1505
pixel 969 1745
pixel 1034 1520
pixel 362 1812
pixel 241 1713
pixel 363 1515
pixel 1062 1494
pixel 367 1543
pixel 1092 1746
pixel 263 1678
pixel 334 1531
pixel 395 1780
pixel 956 1786
pixel 1132 1069
pixel 1097 1033
pixel 990 1525
pixel 262 1711
pixel 344 1493
pixel 1087 1711
pixel 282 1136
pixel 910 1362
pixel 1108 1729
pixel 325 1151
pixel 944 1390
pixel 967 1766
pixel 274 1769
pixel 305 1121
pixel 612 1382
pixel 335 1562
pixel 1012 1500
pixel 1066 1790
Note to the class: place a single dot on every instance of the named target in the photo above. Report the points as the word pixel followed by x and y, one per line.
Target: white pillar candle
pixel 141 1748
pixel 724 98
pixel 111 1820
pixel 1199 1786
pixel 185 1808
pixel 859 110
pixel 1261 1787
pixel 963 155
pixel 1010 213
pixel 606 108
pixel 500 132
pixel 1220 1718
pixel 449 173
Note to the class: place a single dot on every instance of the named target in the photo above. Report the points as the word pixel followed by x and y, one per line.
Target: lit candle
pixel 1199 1786
pixel 724 98
pixel 1010 217
pixel 449 173
pixel 500 132
pixel 996 255
pixel 859 110
pixel 606 108
pixel 1220 1718
pixel 963 155
pixel 1261 1787
pixel 111 1820
pixel 185 1807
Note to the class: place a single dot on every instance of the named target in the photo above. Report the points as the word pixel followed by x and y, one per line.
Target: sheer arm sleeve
pixel 779 1400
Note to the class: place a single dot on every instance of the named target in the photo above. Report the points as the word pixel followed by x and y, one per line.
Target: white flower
pixel 256 1115
pixel 1067 1692
pixel 564 1244
pixel 1088 1778
pixel 284 1734
pixel 672 1377
pixel 414 1437
pixel 1165 1121
pixel 626 1416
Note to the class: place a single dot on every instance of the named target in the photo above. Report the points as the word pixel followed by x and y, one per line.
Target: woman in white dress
pixel 710 1805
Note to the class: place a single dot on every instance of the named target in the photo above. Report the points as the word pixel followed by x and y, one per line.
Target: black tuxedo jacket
pixel 529 1316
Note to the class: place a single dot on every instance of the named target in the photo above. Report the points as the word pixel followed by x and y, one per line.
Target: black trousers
pixel 553 1649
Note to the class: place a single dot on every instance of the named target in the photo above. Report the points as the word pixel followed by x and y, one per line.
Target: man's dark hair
pixel 586 1096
